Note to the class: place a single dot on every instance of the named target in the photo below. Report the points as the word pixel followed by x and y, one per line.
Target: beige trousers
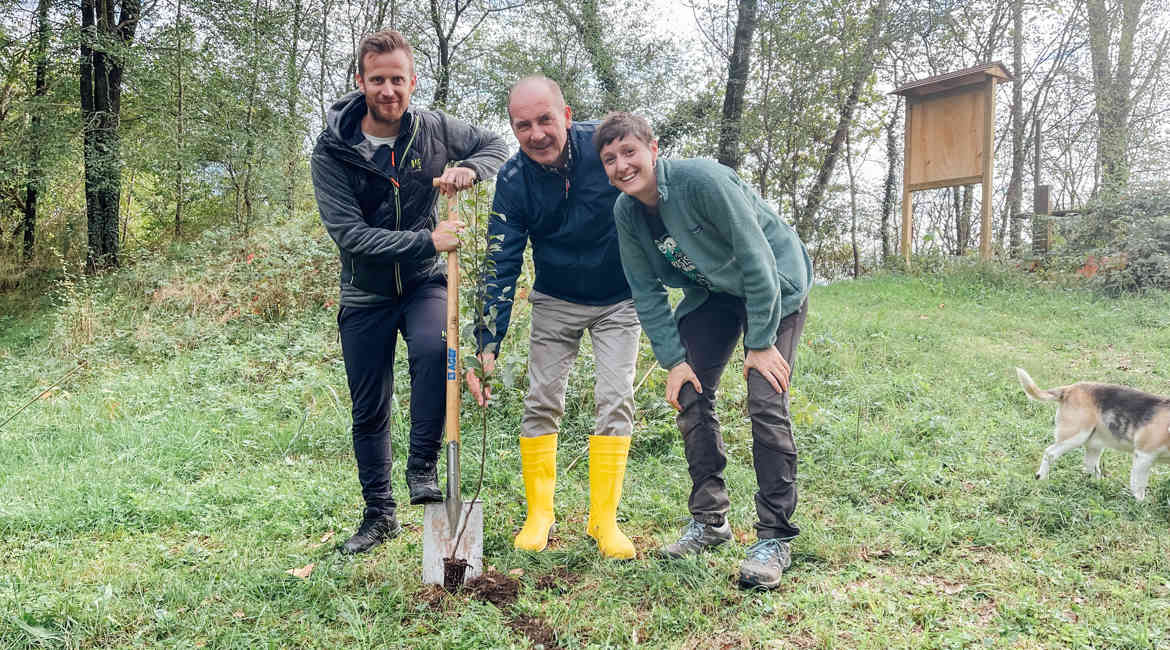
pixel 557 326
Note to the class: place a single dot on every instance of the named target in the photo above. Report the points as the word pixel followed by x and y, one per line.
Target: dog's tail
pixel 1034 391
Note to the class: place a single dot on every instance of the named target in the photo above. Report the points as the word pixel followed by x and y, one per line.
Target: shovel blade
pixel 439 540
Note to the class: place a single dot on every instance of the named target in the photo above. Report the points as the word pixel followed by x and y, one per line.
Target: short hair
pixel 619 124
pixel 551 85
pixel 383 42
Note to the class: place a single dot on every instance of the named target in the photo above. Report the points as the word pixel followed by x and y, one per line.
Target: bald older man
pixel 554 193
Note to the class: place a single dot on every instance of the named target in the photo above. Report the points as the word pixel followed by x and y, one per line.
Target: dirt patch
pixel 502 590
pixel 536 629
pixel 494 587
pixel 559 580
pixel 433 597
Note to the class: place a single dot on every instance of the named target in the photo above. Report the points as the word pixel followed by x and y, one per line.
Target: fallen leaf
pixel 304 571
pixel 517 572
pixel 326 537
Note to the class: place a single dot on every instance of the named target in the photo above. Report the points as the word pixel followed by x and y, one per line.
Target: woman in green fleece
pixel 694 224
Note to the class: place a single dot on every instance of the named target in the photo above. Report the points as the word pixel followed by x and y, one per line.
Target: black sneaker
pixel 423 485
pixel 372 531
pixel 697 537
pixel 764 564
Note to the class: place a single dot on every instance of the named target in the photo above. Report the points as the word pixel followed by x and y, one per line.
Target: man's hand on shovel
pixel 481 392
pixel 455 179
pixel 446 235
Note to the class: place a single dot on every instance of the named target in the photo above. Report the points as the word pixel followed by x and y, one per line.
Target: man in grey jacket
pixel 372 173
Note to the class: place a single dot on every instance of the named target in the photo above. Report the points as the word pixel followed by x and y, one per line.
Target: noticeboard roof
pixel 965 77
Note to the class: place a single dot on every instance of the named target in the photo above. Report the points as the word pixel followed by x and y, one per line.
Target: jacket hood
pixel 343 119
pixel 343 129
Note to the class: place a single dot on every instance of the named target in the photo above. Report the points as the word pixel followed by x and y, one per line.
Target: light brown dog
pixel 1100 416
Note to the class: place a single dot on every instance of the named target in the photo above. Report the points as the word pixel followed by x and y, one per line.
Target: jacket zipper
pixel 397 226
pixel 396 165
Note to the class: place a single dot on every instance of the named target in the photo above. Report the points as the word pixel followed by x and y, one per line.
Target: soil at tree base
pixel 502 590
pixel 495 588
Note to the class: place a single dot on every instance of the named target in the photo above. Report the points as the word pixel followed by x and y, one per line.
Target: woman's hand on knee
pixel 680 375
pixel 771 364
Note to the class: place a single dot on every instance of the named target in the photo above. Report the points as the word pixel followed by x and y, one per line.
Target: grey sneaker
pixel 695 538
pixel 764 564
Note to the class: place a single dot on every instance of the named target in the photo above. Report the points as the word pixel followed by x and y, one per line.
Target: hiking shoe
pixel 372 531
pixel 695 538
pixel 764 564
pixel 423 485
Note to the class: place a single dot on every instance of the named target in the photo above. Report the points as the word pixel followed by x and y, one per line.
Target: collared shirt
pixel 565 172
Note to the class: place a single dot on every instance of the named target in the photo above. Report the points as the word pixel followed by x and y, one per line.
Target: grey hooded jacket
pixel 378 203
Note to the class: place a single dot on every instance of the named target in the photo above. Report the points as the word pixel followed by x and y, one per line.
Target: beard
pixel 384 114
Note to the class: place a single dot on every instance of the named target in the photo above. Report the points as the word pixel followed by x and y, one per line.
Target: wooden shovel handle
pixel 453 384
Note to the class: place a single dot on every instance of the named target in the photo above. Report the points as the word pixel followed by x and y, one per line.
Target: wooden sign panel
pixel 946 136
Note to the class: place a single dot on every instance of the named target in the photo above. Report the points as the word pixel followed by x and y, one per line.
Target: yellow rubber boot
pixel 538 461
pixel 607 471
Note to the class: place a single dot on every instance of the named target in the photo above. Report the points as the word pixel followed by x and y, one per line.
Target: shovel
pixel 452 530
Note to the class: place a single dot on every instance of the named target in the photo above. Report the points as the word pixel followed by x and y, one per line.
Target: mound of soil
pixel 494 587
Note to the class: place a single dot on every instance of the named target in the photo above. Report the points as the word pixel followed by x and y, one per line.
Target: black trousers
pixel 709 335
pixel 368 338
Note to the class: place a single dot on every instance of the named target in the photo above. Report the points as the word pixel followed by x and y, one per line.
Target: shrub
pixel 1124 245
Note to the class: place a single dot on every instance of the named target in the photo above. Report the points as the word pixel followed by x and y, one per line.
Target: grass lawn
pixel 161 495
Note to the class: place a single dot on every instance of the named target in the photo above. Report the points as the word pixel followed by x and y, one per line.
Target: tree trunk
pixel 737 74
pixel 292 118
pixel 852 207
pixel 589 28
pixel 890 191
pixel 101 99
pixel 323 45
pixel 963 235
pixel 600 56
pixel 244 187
pixel 1016 185
pixel 179 126
pixel 36 178
pixel 864 62
pixel 1112 86
pixel 443 77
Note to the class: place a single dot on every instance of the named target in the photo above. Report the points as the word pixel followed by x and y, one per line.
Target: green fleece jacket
pixel 733 237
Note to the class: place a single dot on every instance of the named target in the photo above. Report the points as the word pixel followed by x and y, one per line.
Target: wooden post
pixel 988 166
pixel 907 196
pixel 1041 224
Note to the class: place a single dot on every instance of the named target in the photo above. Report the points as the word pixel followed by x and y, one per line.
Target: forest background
pixel 127 125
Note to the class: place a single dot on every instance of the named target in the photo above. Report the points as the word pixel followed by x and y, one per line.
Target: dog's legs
pixel 1139 476
pixel 1060 448
pixel 1093 460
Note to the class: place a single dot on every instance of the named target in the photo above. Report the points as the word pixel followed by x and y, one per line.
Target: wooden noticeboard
pixel 950 139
